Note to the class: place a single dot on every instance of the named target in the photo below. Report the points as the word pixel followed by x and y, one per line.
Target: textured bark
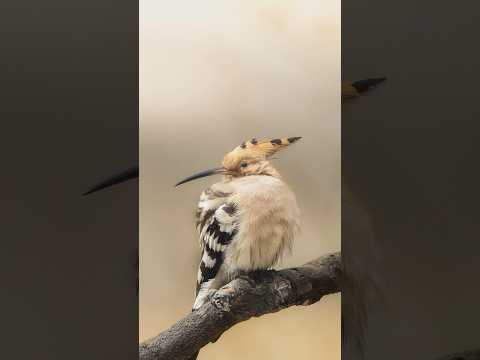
pixel 245 297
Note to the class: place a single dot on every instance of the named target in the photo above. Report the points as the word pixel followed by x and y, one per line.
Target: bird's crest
pixel 260 149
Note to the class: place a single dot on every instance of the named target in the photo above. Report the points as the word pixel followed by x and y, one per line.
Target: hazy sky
pixel 212 74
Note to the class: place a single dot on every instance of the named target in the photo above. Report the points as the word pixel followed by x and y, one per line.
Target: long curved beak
pixel 202 174
pixel 131 173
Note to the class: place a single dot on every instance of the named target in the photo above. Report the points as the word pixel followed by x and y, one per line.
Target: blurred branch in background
pixel 247 296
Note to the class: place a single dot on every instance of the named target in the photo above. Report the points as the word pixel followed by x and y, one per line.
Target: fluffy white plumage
pixel 245 223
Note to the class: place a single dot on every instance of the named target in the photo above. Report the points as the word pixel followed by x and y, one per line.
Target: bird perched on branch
pixel 247 221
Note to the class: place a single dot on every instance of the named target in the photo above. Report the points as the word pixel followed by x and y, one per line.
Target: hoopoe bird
pixel 247 221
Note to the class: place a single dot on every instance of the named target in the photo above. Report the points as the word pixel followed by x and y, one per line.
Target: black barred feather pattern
pixel 217 224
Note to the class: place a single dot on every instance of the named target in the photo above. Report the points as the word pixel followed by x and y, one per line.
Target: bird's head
pixel 249 158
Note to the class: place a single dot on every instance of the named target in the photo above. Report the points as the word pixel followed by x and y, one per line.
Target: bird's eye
pixel 244 164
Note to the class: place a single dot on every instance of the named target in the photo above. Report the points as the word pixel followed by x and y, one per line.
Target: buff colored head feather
pixel 255 150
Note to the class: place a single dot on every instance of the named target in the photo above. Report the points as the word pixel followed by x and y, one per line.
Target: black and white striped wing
pixel 217 228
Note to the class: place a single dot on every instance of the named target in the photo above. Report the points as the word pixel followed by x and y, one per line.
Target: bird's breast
pixel 268 220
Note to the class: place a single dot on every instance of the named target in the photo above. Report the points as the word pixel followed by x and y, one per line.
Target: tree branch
pixel 245 297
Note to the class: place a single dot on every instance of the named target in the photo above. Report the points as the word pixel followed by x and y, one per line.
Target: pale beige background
pixel 212 74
